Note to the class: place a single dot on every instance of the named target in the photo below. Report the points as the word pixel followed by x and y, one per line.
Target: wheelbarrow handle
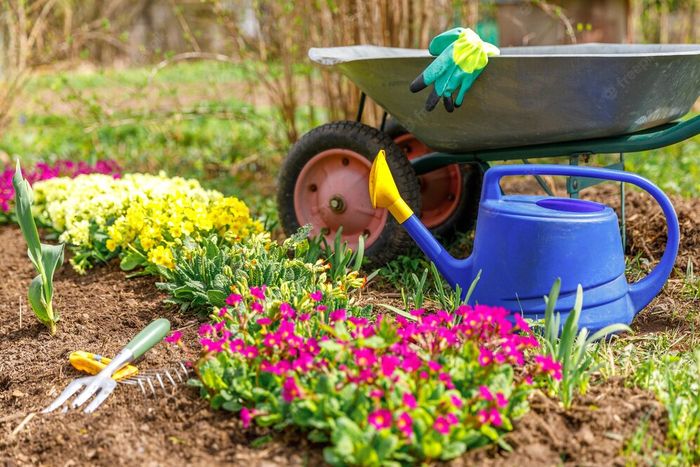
pixel 643 291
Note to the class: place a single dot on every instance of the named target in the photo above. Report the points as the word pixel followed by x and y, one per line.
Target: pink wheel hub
pixel 332 191
pixel 440 189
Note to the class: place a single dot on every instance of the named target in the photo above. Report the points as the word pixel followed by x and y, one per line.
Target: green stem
pixel 48 297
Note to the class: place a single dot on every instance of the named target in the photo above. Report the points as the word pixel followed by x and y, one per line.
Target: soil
pixel 102 310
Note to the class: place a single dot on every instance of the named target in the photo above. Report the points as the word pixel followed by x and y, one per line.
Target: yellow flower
pixel 161 256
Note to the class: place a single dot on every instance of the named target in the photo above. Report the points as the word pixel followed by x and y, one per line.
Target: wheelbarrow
pixel 530 102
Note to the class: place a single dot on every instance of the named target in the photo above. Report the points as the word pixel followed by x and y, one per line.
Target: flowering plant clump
pixel 141 218
pixel 208 271
pixel 43 171
pixel 384 391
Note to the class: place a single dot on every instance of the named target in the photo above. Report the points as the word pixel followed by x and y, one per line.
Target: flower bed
pixel 383 390
pixel 140 218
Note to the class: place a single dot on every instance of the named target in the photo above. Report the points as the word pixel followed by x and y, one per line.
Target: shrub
pixel 389 391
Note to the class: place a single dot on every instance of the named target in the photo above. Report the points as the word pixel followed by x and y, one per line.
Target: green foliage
pixel 207 272
pixel 396 391
pixel 570 346
pixel 45 258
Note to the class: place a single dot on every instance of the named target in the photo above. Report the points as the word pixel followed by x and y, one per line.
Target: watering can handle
pixel 643 291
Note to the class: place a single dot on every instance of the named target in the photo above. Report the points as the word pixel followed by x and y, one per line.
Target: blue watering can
pixel 524 243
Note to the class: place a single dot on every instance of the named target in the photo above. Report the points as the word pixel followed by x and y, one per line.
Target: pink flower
pixel 205 329
pixel 222 312
pixel 258 292
pixel 441 425
pixel 485 393
pixel 237 345
pixel 303 363
pixel 418 312
pixel 250 352
pixel 549 366
pixel 501 400
pixel 405 424
pixel 321 308
pixel 212 346
pixel 411 362
pixel 316 296
pixel 389 364
pixel 457 401
pixel 287 311
pixel 364 357
pixel 264 321
pixel 233 299
pixel 485 356
pixel 521 323
pixel 434 366
pixel 304 317
pixel 247 416
pixel 452 419
pixel 380 419
pixel 291 390
pixel 376 394
pixel 489 416
pixel 338 315
pixel 256 307
pixel 174 337
pixel 409 400
pixel 271 340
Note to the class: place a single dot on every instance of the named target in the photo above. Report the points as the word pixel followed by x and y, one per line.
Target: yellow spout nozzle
pixel 383 192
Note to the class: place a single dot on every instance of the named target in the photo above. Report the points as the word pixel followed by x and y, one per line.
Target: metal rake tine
pixel 160 381
pixel 143 390
pixel 153 390
pixel 71 389
pixel 89 391
pixel 99 399
pixel 172 381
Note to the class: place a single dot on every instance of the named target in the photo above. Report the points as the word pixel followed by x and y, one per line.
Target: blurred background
pixel 219 89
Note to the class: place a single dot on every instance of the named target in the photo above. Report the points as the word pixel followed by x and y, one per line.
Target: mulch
pixel 102 310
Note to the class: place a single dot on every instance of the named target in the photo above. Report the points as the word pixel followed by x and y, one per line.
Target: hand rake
pixel 102 385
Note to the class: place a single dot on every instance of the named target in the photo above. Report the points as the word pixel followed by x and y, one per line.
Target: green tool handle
pixel 148 337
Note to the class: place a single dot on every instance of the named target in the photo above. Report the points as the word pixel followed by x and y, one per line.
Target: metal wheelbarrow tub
pixel 532 95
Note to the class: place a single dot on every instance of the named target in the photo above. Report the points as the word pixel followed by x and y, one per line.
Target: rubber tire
pixel 364 140
pixel 464 217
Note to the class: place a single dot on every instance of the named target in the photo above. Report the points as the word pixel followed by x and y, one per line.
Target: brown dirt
pixel 593 432
pixel 100 313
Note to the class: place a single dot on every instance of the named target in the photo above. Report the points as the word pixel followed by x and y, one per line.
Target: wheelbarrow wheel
pixel 449 195
pixel 324 181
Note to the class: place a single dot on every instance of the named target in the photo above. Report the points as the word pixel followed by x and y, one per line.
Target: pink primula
pixel 174 338
pixel 380 419
pixel 233 299
pixel 405 424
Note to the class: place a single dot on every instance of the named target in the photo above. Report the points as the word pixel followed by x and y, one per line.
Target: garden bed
pixel 102 310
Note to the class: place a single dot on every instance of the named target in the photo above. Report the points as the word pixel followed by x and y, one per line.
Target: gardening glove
pixel 461 57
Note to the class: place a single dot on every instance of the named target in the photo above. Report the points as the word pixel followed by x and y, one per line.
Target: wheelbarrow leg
pixel 574 185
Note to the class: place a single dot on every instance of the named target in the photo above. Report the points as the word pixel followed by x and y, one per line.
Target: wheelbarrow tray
pixel 532 95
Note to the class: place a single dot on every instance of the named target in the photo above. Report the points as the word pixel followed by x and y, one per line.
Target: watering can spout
pixel 384 193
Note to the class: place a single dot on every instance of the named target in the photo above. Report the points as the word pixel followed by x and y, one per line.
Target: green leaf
pixel 131 261
pixel 452 450
pixel 36 300
pixel 52 259
pixel 216 297
pixel 23 208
